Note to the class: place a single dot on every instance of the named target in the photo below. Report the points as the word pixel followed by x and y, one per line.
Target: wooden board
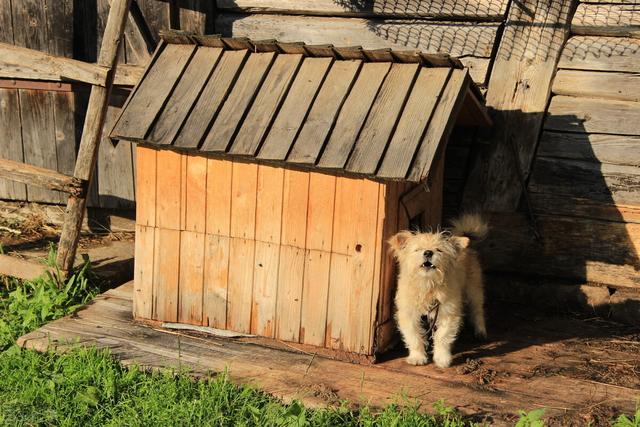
pixel 618 20
pixel 382 119
pixel 38 127
pixel 602 182
pixel 353 114
pixel 601 54
pixel 226 124
pixel 216 276
pixel 266 104
pixel 295 108
pixel 218 210
pixel 602 252
pixel 615 149
pixel 592 84
pixel 168 185
pixel 11 148
pixel 151 94
pixel 166 276
pixel 477 10
pixel 593 115
pixel 527 53
pixel 191 278
pixel 457 39
pixel 195 194
pixel 211 99
pixel 184 95
pixel 143 295
pixel 325 109
pixel 290 375
pixel 414 121
pixel 146 186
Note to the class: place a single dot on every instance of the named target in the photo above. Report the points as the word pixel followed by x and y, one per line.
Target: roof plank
pixel 185 94
pixel 263 111
pixel 382 119
pixel 353 114
pixel 441 124
pixel 324 111
pixel 153 92
pixel 233 111
pixel 211 99
pixel 414 121
pixel 294 109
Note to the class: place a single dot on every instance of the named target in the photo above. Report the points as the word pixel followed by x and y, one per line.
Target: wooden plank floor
pixel 579 369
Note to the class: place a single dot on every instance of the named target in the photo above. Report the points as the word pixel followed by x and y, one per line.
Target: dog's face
pixel 428 255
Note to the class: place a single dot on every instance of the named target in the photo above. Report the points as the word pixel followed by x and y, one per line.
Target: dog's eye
pixel 438 250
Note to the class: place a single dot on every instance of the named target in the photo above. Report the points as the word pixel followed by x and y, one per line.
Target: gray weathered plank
pixel 6 22
pixel 413 122
pixel 324 111
pixel 615 149
pixel 606 20
pixel 353 114
pixel 65 132
pixel 476 9
pixel 593 84
pixel 454 38
pixel 601 182
pixel 38 138
pixel 211 99
pixel 39 177
pixel 11 146
pixel 441 125
pixel 601 53
pixel 184 95
pixel 382 119
pixel 294 109
pixel 152 92
pixel 578 207
pixel 571 114
pixel 244 90
pixel 266 105
pixel 519 90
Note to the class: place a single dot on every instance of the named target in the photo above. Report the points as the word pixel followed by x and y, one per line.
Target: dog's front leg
pixel 447 327
pixel 413 335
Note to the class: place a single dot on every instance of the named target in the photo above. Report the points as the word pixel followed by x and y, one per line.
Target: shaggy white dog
pixel 438 273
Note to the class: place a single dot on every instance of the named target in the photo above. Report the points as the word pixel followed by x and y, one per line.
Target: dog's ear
pixel 399 240
pixel 461 242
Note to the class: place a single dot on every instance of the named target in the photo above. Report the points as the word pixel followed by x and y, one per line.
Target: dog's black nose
pixel 428 254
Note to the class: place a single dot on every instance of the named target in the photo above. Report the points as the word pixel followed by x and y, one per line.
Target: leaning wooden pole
pixel 91 134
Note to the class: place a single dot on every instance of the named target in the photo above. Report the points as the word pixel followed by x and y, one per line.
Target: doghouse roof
pixel 382 114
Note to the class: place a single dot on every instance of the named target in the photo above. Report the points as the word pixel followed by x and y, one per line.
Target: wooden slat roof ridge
pixel 380 114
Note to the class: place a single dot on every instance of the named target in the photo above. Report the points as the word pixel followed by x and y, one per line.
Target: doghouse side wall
pixel 254 248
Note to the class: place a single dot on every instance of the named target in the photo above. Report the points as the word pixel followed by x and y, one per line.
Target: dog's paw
pixel 442 360
pixel 417 359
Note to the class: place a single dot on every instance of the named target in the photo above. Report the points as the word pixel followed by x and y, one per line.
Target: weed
pixel 531 419
pixel 624 421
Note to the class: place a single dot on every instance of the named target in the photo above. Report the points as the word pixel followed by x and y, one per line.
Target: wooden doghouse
pixel 270 176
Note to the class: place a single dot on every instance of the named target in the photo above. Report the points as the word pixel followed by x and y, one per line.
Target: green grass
pixel 87 387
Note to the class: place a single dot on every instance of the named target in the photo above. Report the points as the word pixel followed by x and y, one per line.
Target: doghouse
pixel 270 175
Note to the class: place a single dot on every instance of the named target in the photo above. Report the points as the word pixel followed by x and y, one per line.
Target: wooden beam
pixel 22 63
pixel 620 20
pixel 21 269
pixel 39 177
pixel 91 134
pixel 128 75
pixel 595 84
pixel 518 93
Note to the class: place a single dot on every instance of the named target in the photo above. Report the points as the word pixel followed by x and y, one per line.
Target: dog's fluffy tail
pixel 471 225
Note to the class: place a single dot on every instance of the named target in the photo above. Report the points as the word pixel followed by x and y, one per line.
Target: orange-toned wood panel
pixel 191 282
pixel 218 205
pixel 145 186
pixel 169 186
pixel 317 258
pixel 166 274
pixel 143 276
pixel 292 254
pixel 216 276
pixel 267 255
pixel 195 193
pixel 352 265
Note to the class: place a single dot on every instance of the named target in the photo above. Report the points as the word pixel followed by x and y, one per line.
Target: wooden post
pixel 91 134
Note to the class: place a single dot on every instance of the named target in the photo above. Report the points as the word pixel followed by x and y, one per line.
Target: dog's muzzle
pixel 427 264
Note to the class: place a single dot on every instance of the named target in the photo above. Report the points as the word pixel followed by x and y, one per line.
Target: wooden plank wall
pixel 585 180
pixel 256 249
pixel 467 29
pixel 44 127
